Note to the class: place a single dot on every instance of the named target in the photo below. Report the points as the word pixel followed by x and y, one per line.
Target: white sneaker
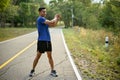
pixel 53 73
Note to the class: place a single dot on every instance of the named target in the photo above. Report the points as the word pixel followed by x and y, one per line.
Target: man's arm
pixel 53 22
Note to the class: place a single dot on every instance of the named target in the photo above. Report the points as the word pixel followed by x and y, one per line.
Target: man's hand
pixel 57 16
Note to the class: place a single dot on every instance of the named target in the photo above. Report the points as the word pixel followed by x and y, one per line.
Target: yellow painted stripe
pixel 11 59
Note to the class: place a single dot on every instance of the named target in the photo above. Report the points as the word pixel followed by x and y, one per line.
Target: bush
pixel 118 60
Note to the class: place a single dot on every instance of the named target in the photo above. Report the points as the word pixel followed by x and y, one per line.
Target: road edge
pixel 70 58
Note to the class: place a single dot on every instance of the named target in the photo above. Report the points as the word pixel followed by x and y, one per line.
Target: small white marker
pixel 106 41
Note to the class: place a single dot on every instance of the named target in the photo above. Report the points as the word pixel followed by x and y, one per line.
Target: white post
pixel 106 41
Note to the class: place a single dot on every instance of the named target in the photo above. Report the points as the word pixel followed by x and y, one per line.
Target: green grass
pixel 95 61
pixel 8 33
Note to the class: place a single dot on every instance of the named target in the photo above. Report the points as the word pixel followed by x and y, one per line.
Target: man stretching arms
pixel 44 40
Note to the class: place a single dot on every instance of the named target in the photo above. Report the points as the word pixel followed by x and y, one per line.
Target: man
pixel 44 40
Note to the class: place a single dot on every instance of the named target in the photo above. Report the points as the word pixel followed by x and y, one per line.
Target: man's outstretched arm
pixel 54 21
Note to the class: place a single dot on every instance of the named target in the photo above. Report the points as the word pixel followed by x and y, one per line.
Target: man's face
pixel 43 12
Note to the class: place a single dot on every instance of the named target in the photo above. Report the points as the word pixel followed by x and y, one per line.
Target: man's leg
pixel 35 63
pixel 53 72
pixel 49 55
pixel 36 59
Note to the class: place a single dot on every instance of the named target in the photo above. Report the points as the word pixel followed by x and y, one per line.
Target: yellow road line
pixel 11 59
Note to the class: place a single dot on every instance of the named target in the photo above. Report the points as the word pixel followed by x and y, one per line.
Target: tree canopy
pixel 84 13
pixel 3 4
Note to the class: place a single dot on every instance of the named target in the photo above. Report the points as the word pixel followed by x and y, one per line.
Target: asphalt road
pixel 17 55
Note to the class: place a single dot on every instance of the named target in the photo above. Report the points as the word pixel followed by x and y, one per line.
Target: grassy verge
pixel 8 33
pixel 95 61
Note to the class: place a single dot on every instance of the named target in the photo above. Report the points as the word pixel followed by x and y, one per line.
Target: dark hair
pixel 41 8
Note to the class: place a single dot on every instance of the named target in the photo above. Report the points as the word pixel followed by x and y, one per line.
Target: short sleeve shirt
pixel 43 29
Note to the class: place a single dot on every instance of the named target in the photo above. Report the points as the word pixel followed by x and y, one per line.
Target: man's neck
pixel 42 16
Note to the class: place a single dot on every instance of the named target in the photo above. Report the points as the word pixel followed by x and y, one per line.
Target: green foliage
pixel 28 12
pixel 86 14
pixel 90 17
pixel 33 12
pixel 106 16
pixel 19 12
pixel 118 60
pixel 3 4
pixel 116 15
pixel 24 11
pixel 9 14
pixel 78 7
pixel 110 14
pixel 65 9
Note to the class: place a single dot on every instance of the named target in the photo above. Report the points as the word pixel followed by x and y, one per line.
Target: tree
pixel 105 18
pixel 11 14
pixel 80 11
pixel 24 13
pixel 8 15
pixel 4 4
pixel 28 13
pixel 17 2
pixel 115 4
pixel 41 2
pixel 33 12
pixel 65 9
pixel 110 15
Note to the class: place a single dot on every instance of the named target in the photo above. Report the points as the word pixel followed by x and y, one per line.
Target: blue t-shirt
pixel 43 32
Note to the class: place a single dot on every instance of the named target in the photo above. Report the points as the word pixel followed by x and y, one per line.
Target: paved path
pixel 20 53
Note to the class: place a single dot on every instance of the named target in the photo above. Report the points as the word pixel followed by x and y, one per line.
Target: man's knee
pixel 38 55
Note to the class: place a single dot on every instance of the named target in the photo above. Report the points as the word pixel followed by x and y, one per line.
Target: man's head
pixel 42 11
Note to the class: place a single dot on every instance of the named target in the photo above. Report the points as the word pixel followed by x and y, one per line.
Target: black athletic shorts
pixel 43 46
